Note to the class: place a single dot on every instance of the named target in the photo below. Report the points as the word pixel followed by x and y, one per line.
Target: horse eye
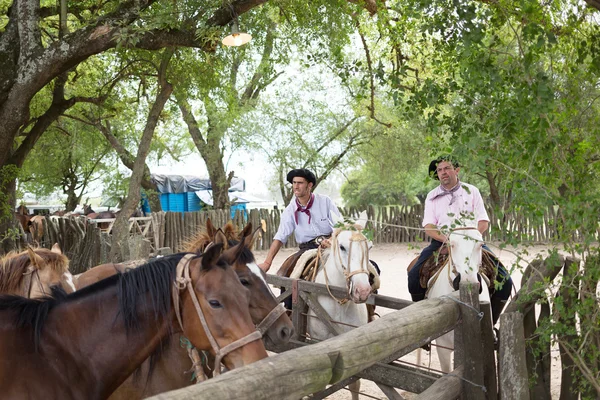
pixel 342 247
pixel 245 282
pixel 215 304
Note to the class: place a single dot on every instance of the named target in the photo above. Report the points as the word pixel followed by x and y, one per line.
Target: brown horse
pixel 174 361
pixel 262 300
pixel 32 273
pixel 36 228
pixel 86 344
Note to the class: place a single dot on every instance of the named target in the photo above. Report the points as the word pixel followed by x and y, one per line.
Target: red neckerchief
pixel 305 210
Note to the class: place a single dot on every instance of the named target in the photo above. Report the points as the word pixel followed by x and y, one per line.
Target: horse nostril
pixel 285 333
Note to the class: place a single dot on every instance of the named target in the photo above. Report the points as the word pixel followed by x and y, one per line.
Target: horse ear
pixel 362 220
pixel 56 249
pixel 35 259
pixel 210 228
pixel 211 255
pixel 220 238
pixel 246 231
pixel 251 240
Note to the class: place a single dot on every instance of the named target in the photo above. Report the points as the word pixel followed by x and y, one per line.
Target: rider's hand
pixel 326 243
pixel 444 249
pixel 265 266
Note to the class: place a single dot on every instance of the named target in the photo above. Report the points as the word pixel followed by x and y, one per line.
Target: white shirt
pixel 465 211
pixel 321 220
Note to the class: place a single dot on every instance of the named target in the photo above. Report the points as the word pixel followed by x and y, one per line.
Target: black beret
pixel 433 165
pixel 301 173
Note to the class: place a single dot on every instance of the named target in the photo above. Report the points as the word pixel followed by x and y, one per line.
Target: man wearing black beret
pixel 309 216
pixel 454 203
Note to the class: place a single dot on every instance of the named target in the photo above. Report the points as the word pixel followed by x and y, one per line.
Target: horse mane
pixel 14 264
pixel 156 278
pixel 199 241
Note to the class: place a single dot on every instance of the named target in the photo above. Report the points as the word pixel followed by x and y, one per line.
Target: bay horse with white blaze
pixel 168 373
pixel 84 345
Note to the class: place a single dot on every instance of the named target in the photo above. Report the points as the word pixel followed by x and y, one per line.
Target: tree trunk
pixel 209 147
pixel 7 218
pixel 120 243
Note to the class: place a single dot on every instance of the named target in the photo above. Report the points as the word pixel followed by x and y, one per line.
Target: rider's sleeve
pixel 334 213
pixel 478 207
pixel 429 217
pixel 286 225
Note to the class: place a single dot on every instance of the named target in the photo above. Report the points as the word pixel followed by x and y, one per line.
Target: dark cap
pixel 301 173
pixel 433 165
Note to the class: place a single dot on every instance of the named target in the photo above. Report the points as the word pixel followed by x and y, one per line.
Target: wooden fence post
pixel 470 327
pixel 511 358
pixel 490 371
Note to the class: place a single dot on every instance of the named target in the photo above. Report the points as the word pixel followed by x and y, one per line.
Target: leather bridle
pixel 183 281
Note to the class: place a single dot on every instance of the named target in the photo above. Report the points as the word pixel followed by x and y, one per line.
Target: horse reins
pixel 356 237
pixel 28 281
pixel 183 281
pixel 450 259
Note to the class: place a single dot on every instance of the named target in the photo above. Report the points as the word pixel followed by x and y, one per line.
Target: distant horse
pixel 175 358
pixel 465 254
pixel 36 228
pixel 86 344
pixel 91 214
pixel 22 210
pixel 31 273
pixel 345 264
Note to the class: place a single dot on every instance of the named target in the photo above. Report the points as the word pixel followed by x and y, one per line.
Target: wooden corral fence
pixel 370 352
pixel 367 352
pixel 394 224
pixel 87 245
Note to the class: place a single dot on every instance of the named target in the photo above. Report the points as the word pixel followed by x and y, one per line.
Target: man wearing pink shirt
pixel 454 204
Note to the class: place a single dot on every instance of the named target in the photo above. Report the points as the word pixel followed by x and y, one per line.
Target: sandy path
pixel 393 260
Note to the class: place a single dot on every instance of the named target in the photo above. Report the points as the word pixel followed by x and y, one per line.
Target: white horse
pixel 465 254
pixel 346 265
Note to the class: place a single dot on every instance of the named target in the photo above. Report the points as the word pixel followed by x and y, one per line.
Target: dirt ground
pixel 393 260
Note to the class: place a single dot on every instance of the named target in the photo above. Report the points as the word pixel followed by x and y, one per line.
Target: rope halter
pixel 183 281
pixel 362 242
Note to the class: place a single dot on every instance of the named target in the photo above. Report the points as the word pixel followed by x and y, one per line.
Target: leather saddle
pixel 489 267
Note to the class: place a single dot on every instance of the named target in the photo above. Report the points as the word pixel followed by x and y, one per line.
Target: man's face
pixel 448 174
pixel 301 187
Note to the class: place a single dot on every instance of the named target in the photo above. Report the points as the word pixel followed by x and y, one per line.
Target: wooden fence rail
pixel 300 372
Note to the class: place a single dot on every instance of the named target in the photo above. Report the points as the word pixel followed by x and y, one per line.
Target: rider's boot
pixel 497 305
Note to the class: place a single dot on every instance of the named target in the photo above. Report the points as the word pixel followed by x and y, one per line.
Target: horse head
pixel 48 268
pixel 466 256
pixel 350 252
pixel 222 307
pixel 265 311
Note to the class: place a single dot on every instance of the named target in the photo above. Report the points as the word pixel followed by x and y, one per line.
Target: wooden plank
pixel 321 313
pixel 405 377
pixel 473 385
pixel 314 367
pixel 333 388
pixel 339 292
pixel 511 358
pixel 489 354
pixel 447 387
pixel 390 392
